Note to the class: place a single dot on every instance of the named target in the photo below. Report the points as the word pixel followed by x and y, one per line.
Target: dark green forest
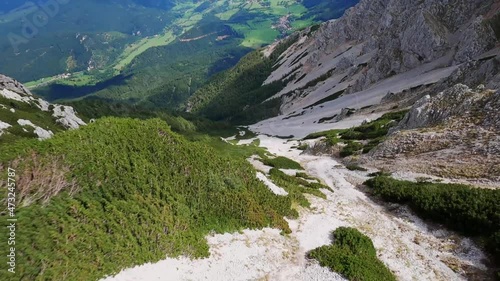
pixel 164 77
pixel 237 95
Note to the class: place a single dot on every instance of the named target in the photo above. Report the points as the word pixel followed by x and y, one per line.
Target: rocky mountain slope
pixel 383 51
pixel 454 134
pixel 23 115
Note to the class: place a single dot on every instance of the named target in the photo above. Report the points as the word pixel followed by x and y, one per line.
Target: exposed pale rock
pixel 404 47
pixel 431 111
pixel 455 133
pixel 40 132
pixel 67 117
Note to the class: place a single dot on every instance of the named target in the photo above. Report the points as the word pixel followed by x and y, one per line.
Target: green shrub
pixel 139 192
pixel 304 176
pixel 374 131
pixel 303 146
pixel 352 254
pixel 296 187
pixel 351 148
pixel 471 211
pixel 281 162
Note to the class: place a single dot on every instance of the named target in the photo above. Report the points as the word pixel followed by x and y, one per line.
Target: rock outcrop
pixel 382 47
pixel 24 115
pixel 455 133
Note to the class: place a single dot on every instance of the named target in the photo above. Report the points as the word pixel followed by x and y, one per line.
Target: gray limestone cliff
pixel 381 49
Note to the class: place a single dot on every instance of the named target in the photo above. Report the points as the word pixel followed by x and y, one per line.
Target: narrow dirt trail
pixel 412 249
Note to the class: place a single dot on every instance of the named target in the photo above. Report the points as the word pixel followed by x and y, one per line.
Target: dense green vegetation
pixel 236 95
pixel 281 162
pixel 26 111
pixel 471 211
pixel 296 187
pixel 160 80
pixel 371 134
pixel 104 28
pixel 180 122
pixel 352 254
pixel 138 51
pixel 122 192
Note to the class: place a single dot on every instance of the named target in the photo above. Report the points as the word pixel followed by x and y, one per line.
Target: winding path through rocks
pixel 412 249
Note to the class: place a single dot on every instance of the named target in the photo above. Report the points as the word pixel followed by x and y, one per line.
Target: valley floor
pixel 411 248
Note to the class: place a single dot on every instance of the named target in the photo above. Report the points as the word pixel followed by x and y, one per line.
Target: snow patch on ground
pixel 274 188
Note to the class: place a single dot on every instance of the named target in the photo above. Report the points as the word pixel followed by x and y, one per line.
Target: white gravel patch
pixel 258 165
pixel 412 249
pixel 251 255
pixel 274 188
pixel 246 141
pixel 291 172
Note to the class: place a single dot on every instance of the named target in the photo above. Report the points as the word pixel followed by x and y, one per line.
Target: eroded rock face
pixel 408 33
pixel 455 133
pixel 385 46
pixel 457 101
pixel 13 85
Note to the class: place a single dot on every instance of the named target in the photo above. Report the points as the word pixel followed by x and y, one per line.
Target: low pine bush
pixel 352 254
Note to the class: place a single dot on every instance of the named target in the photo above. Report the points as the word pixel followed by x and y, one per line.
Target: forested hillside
pixel 152 52
pixel 237 95
pixel 164 76
pixel 142 192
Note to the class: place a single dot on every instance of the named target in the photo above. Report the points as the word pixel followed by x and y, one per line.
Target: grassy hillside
pixel 122 192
